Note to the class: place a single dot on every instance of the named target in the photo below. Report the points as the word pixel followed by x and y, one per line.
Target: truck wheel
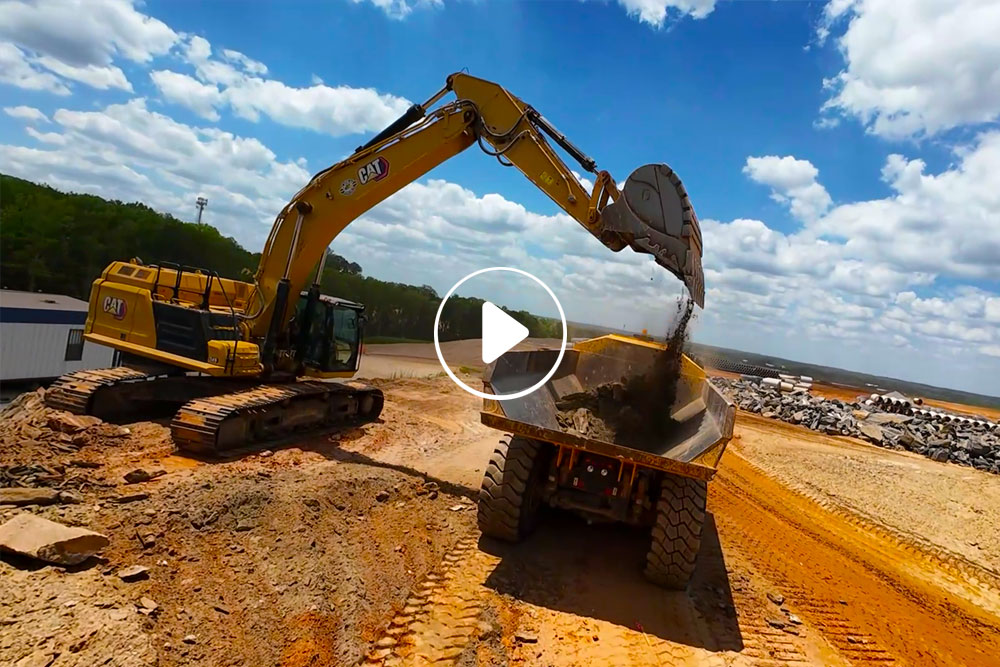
pixel 676 535
pixel 510 496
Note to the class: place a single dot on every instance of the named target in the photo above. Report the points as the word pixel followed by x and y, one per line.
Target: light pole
pixel 201 202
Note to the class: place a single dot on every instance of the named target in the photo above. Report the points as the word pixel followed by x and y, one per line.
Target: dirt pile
pixel 636 411
pixel 296 556
pixel 41 447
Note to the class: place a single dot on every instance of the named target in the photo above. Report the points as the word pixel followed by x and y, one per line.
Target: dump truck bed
pixel 691 447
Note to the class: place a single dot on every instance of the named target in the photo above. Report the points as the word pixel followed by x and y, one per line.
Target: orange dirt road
pixel 780 580
pixel 797 566
pixel 872 595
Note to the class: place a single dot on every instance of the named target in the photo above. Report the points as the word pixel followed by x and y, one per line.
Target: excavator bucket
pixel 654 215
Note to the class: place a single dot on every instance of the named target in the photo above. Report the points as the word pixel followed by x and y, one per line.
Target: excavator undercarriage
pixel 212 416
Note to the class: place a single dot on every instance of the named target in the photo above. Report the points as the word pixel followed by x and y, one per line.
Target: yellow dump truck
pixel 661 485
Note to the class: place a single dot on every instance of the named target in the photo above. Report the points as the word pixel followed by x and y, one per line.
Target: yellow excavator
pixel 240 363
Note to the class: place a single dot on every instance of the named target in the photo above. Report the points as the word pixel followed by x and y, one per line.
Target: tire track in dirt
pixel 964 577
pixel 872 600
pixel 440 618
pixel 951 570
pixel 573 594
pixel 539 585
pixel 956 573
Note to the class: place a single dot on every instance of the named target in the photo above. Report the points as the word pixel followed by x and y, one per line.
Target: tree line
pixel 57 242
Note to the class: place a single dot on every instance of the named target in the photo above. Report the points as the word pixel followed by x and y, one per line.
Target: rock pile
pixel 44 448
pixel 973 443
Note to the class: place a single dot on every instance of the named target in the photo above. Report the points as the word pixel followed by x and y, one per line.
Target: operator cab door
pixel 335 337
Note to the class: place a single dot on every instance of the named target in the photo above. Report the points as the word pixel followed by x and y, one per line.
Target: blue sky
pixel 841 157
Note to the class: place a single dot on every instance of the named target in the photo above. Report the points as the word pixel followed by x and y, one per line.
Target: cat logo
pixel 375 170
pixel 115 306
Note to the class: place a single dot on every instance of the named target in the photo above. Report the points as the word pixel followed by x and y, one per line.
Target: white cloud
pixel 991 310
pixel 128 152
pixel 234 82
pixel 67 171
pixel 202 98
pixel 85 32
pixel 246 63
pixel 587 183
pixel 16 70
pixel 94 76
pixel 26 113
pixel 915 68
pixel 854 271
pixel 656 12
pixel 943 223
pixel 47 137
pixel 793 182
pixel 400 9
pixel 335 110
pixel 990 350
pixel 76 40
pixel 652 12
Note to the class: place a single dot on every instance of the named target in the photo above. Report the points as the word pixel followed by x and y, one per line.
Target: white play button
pixel 500 332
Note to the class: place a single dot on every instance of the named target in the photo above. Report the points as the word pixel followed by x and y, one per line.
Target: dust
pixel 635 411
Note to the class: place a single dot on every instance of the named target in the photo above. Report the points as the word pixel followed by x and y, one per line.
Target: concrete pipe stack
pixel 797 383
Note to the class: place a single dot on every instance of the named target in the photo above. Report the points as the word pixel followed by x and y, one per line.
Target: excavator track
pixel 268 413
pixel 75 392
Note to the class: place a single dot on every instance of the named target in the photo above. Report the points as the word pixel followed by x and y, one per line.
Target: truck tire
pixel 676 535
pixel 510 496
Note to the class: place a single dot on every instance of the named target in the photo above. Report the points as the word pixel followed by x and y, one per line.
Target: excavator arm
pixel 651 214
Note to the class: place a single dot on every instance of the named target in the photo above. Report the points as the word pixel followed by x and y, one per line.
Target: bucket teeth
pixel 654 215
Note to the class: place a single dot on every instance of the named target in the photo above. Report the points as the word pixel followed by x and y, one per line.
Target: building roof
pixel 18 307
pixel 10 298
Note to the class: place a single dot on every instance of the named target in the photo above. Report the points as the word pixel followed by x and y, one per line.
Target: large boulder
pixel 35 537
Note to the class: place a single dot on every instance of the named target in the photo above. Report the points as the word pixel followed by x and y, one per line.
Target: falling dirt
pixel 636 411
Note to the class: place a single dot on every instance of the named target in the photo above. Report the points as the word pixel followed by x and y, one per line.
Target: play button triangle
pixel 500 332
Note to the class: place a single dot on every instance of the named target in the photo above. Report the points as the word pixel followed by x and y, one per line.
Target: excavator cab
pixel 333 342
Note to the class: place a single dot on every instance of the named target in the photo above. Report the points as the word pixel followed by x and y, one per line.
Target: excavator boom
pixel 654 216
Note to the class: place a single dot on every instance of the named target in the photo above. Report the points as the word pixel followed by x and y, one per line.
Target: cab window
pixel 345 341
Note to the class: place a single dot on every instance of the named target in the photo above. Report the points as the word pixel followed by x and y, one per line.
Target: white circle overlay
pixel 483 394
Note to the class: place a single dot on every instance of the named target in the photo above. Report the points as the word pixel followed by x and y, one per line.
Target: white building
pixel 41 337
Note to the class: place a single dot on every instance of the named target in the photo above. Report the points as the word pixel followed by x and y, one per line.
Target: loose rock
pixel 39 538
pixel 131 498
pixel 139 475
pixel 25 496
pixel 133 573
